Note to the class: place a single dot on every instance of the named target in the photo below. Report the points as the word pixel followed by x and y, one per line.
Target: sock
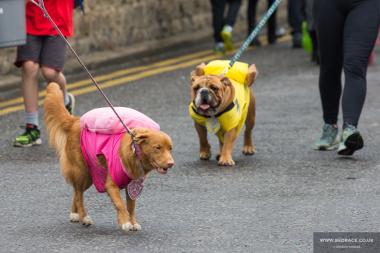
pixel 66 98
pixel 31 118
pixel 219 44
pixel 228 28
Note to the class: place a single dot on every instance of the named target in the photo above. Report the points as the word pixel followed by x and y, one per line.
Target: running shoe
pixel 30 137
pixel 71 105
pixel 219 48
pixel 350 141
pixel 328 140
pixel 227 37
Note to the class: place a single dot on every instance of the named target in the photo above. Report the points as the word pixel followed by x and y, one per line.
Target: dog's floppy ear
pixel 140 135
pixel 251 75
pixel 199 71
pixel 226 81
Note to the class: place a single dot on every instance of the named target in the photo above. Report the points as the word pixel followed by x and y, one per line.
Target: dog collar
pixel 228 108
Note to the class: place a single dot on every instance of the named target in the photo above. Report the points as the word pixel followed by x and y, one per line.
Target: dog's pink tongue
pixel 204 106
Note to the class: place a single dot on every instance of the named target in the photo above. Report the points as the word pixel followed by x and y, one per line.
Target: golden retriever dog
pixel 222 103
pixel 65 136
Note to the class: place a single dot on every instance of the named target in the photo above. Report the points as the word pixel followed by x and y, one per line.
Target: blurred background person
pixel 295 18
pixel 311 29
pixel 44 51
pixel 223 25
pixel 347 31
pixel 271 28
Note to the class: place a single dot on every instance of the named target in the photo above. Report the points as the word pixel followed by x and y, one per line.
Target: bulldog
pixel 222 103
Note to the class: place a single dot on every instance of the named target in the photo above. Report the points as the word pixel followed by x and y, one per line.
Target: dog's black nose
pixel 204 93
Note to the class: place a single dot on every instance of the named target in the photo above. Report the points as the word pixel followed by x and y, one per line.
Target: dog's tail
pixel 58 120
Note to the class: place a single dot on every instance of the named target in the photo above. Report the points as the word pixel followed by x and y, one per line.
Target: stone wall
pixel 130 26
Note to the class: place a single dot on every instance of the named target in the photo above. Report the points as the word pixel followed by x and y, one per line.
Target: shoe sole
pixel 72 99
pixel 34 143
pixel 227 39
pixel 353 143
pixel 327 148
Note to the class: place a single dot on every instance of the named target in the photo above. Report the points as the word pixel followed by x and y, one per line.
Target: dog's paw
pixel 87 221
pixel 136 227
pixel 204 155
pixel 130 227
pixel 223 161
pixel 249 150
pixel 126 226
pixel 74 217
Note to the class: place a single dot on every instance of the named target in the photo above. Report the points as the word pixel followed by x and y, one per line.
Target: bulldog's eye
pixel 157 147
pixel 214 88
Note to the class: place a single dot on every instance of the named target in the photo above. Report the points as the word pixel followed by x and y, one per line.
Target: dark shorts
pixel 48 51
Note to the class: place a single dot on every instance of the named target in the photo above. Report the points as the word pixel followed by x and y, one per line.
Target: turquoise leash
pixel 254 33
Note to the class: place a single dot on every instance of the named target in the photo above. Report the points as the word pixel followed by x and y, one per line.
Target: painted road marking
pixel 125 76
pixel 116 74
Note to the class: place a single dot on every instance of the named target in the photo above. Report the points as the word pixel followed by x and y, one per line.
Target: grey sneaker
pixel 328 140
pixel 350 141
pixel 71 105
pixel 219 48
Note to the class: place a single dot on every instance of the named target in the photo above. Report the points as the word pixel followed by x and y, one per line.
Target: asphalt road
pixel 270 202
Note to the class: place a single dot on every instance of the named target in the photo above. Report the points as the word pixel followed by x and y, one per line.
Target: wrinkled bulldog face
pixel 207 94
pixel 208 91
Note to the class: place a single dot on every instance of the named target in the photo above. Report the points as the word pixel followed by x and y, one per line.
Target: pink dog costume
pixel 101 133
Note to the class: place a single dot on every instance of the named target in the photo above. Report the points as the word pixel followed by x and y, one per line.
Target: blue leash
pixel 254 33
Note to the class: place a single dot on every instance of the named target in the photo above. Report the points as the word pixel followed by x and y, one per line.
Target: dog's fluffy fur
pixel 64 136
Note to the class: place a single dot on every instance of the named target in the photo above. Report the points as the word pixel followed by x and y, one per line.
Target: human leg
pixel 295 19
pixel 360 32
pixel 272 25
pixel 251 19
pixel 232 13
pixel 53 54
pixel 28 60
pixel 217 7
pixel 329 23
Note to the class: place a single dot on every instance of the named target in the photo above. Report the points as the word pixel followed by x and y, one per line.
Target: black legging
pixel 347 30
pixel 218 20
pixel 251 13
pixel 296 15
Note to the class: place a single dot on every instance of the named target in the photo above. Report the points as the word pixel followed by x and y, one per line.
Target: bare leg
pixel 52 75
pixel 29 86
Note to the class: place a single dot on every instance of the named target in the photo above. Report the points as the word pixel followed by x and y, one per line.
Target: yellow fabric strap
pixel 238 72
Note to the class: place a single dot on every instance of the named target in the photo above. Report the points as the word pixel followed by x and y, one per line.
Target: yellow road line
pixel 121 81
pixel 116 74
pixel 134 77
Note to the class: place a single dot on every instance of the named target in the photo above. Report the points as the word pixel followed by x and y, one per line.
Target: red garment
pixel 61 11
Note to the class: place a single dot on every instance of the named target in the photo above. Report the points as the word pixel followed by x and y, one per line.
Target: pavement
pixel 270 202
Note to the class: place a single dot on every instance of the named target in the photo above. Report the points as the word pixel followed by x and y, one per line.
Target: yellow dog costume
pixel 236 113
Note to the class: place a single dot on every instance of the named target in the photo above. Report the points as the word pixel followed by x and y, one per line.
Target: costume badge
pixel 213 125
